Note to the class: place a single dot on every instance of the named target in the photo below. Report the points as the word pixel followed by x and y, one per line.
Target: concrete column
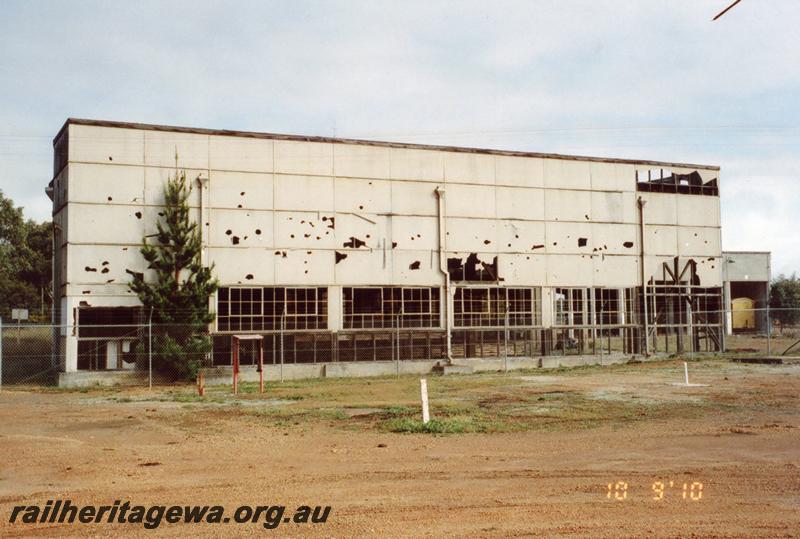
pixel 69 335
pixel 335 308
pixel 547 307
pixel 726 302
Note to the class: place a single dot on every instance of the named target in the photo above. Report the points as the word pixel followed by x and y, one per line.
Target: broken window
pixel 496 307
pixel 261 308
pixel 665 181
pixel 383 307
pixel 472 269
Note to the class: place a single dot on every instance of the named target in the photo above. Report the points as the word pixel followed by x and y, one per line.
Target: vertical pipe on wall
pixel 641 203
pixel 443 268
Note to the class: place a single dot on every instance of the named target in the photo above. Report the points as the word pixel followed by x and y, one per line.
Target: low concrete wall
pixel 102 378
pixel 352 369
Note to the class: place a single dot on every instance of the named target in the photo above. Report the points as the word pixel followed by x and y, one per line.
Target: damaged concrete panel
pixel 564 205
pixel 363 196
pixel 470 201
pixel 240 190
pixel 469 168
pixel 523 269
pixel 710 271
pixel 240 154
pixel 520 237
pixel 414 198
pixel 563 174
pixel 156 178
pixel 660 240
pixel 315 267
pixel 150 215
pixel 232 266
pixel 471 235
pixel 103 264
pixel 615 239
pixel 698 241
pixel 569 238
pixel 610 271
pixel 304 158
pixel 661 208
pixel 107 145
pixel 230 228
pixel 356 161
pixel 414 233
pixel 105 224
pixel 161 147
pixel 363 267
pixel 90 183
pixel 303 193
pixel 519 171
pixel 416 267
pixel 569 270
pixel 419 165
pixel 520 203
pixel 307 230
pixel 99 295
pixel 698 210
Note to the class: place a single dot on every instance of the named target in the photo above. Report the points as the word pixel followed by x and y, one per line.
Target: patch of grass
pixel 434 426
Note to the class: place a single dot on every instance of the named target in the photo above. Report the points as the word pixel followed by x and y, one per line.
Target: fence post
pixel 150 350
pixel 283 324
pixel 505 340
pixel 397 345
pixel 769 332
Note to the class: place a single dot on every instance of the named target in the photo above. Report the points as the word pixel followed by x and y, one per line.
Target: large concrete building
pixel 356 249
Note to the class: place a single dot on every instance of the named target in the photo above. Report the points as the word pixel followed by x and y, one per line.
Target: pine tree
pixel 178 297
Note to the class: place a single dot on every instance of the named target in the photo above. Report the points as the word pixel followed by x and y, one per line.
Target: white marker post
pixel 423 389
pixel 686 372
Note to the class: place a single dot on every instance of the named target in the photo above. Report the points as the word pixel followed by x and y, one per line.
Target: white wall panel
pixel 241 154
pixel 106 185
pixel 520 203
pixel 234 265
pixel 698 242
pixel 569 270
pixel 414 198
pixel 107 145
pixel 471 235
pixel 469 201
pixel 305 267
pixel 304 158
pixel 155 179
pixel 661 208
pixel 426 264
pixel 622 271
pixel 567 205
pixel 420 165
pixel 304 193
pixel 161 148
pixel 99 223
pixel 521 236
pixel 240 228
pixel 563 174
pixel 244 190
pixel 352 160
pixel 519 171
pixel 414 233
pixel 698 210
pixel 660 240
pixel 363 196
pixel 462 167
pixel 523 269
pixel 305 230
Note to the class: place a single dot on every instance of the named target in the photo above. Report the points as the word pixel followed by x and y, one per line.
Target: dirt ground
pixel 523 454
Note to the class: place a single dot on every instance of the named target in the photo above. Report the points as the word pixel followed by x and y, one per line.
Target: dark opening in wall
pixel 665 181
pixel 472 269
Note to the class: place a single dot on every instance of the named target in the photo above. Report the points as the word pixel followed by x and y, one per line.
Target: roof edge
pixel 386 144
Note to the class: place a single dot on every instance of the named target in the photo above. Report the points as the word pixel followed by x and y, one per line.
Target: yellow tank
pixel 744 315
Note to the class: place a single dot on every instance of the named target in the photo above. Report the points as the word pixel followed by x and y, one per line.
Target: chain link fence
pixel 145 354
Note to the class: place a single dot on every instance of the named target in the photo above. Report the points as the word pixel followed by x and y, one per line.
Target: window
pixel 246 309
pixel 383 307
pixel 492 306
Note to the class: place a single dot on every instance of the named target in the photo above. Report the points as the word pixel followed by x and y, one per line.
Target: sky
pixel 640 79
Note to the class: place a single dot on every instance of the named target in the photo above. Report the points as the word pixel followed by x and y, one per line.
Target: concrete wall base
pixel 356 369
pixel 101 378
